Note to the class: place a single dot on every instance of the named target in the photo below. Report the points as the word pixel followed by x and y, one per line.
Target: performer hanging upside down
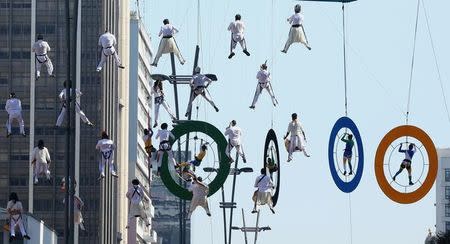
pixel 15 211
pixel 41 161
pixel 168 43
pixel 106 147
pixel 297 32
pixel 298 137
pixel 164 136
pixel 348 151
pixel 41 48
pixel 409 153
pixel 237 35
pixel 63 98
pixel 199 86
pixel 157 92
pixel 136 196
pixel 107 41
pixel 263 195
pixel 14 108
pixel 263 77
pixel 199 196
pixel 234 134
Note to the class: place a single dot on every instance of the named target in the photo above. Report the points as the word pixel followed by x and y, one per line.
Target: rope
pixel 273 57
pixel 211 230
pixel 436 61
pixel 198 22
pixel 350 213
pixel 412 62
pixel 345 58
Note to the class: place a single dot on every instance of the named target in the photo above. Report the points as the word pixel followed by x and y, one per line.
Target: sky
pixel 379 48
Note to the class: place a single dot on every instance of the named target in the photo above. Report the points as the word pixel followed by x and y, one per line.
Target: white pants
pixel 199 203
pixel 168 45
pixel 160 155
pixel 259 89
pixel 15 221
pixel 107 158
pixel 195 93
pixel 62 115
pixel 39 170
pixel 235 38
pixel 137 210
pixel 237 145
pixel 296 34
pixel 17 116
pixel 166 106
pixel 296 143
pixel 106 52
pixel 43 60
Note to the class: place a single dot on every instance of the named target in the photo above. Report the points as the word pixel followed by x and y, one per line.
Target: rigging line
pixel 345 58
pixel 350 213
pixel 412 62
pixel 273 55
pixel 435 60
pixel 198 22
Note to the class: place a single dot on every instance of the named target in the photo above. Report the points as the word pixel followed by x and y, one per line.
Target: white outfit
pixel 15 219
pixel 264 194
pixel 168 43
pixel 297 140
pixel 77 207
pixel 41 48
pixel 237 35
pixel 164 146
pixel 106 148
pixel 159 100
pixel 14 108
pixel 199 84
pixel 263 77
pixel 296 33
pixel 135 195
pixel 107 41
pixel 199 197
pixel 234 134
pixel 42 159
pixel 62 114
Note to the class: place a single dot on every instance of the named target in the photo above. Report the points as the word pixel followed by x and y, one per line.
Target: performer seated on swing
pixel 168 43
pixel 15 211
pixel 199 196
pixel 349 143
pixel 199 86
pixel 164 136
pixel 409 153
pixel 263 77
pixel 187 169
pixel 263 195
pixel 296 33
pixel 297 133
pixel 237 35
pixel 107 42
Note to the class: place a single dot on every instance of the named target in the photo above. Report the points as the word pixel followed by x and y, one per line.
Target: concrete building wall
pixel 443 191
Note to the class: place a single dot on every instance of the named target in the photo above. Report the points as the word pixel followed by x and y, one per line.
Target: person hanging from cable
pixel 107 41
pixel 40 159
pixel 348 152
pixel 234 134
pixel 40 49
pixel 409 153
pixel 297 32
pixel 263 195
pixel 14 108
pixel 187 169
pixel 106 147
pixel 164 136
pixel 199 86
pixel 199 196
pixel 148 133
pixel 263 77
pixel 297 140
pixel 168 43
pixel 237 28
pixel 157 92
pixel 77 206
pixel 63 98
pixel 136 196
pixel 15 211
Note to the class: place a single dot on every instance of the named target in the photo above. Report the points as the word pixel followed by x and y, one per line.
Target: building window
pixel 447 226
pixel 447 192
pixel 447 210
pixel 447 175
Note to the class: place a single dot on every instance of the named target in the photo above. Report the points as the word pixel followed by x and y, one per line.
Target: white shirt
pixel 105 145
pixel 263 76
pixel 234 133
pixel 199 191
pixel 135 197
pixel 13 105
pixel 168 30
pixel 15 206
pixel 164 135
pixel 265 184
pixel 62 94
pixel 200 80
pixel 296 19
pixel 295 128
pixel 237 27
pixel 41 47
pixel 41 156
pixel 107 40
pixel 157 92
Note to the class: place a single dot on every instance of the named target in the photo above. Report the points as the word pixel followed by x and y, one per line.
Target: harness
pixel 296 26
pixel 41 55
pixel 159 100
pixel 108 48
pixel 107 154
pixel 11 216
pixel 167 36
pixel 135 192
pixel 165 146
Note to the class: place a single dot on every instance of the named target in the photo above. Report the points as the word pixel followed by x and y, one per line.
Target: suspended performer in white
pixel 63 98
pixel 107 41
pixel 297 32
pixel 14 108
pixel 168 43
pixel 77 206
pixel 136 196
pixel 199 196
pixel 237 35
pixel 106 147
pixel 263 195
pixel 297 140
pixel 15 210
pixel 164 136
pixel 263 77
pixel 409 153
pixel 158 93
pixel 234 134
pixel 348 152
pixel 41 160
pixel 40 49
pixel 199 86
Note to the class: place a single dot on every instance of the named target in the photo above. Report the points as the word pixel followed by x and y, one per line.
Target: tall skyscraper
pixel 443 191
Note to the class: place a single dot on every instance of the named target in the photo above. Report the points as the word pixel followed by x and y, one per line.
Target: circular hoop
pixel 347 187
pixel 391 136
pixel 186 127
pixel 272 137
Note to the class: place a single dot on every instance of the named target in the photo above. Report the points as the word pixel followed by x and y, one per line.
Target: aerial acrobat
pixel 237 35
pixel 14 109
pixel 107 42
pixel 297 32
pixel 348 153
pixel 298 137
pixel 168 43
pixel 158 93
pixel 263 195
pixel 199 86
pixel 263 77
pixel 40 49
pixel 406 163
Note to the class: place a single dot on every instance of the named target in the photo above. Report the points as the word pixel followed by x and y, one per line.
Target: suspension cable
pixel 345 59
pixel 412 62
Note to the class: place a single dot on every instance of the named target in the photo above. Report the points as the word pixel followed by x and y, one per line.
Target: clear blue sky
pixel 311 208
